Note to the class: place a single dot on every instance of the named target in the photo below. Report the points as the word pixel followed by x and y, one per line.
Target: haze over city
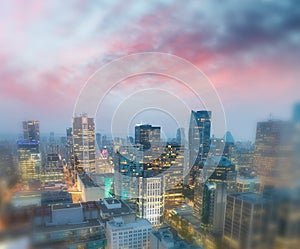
pixel 248 50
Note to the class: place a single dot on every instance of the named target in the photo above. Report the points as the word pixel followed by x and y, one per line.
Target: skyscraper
pixel 151 199
pixel 31 131
pixel 213 210
pixel 69 145
pixel 199 137
pixel 84 142
pixel 273 149
pixel 29 156
pixel 29 159
pixel 180 136
pixel 211 202
pixel 147 135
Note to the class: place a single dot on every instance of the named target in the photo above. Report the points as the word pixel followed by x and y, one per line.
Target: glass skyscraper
pixel 84 142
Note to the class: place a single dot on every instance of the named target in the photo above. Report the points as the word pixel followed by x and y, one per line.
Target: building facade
pixel 84 142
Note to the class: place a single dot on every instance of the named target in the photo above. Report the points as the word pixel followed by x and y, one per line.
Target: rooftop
pixel 87 181
pixel 115 224
pixel 68 227
pixel 250 197
pixel 122 207
pixel 63 206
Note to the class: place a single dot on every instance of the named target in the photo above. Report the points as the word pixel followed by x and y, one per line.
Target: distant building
pixel 199 137
pixel 31 131
pixel 273 153
pixel 198 144
pixel 147 135
pixel 69 145
pixel 296 113
pixel 29 158
pixel 53 171
pixel 180 136
pixel 84 142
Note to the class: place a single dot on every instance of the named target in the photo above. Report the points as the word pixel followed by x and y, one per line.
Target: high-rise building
pixel 210 197
pixel 84 142
pixel 53 170
pixel 31 131
pixel 69 146
pixel 199 137
pixel 29 159
pixel 151 199
pixel 99 141
pixel 29 156
pixel 180 136
pixel 248 221
pixel 213 209
pixel 296 113
pixel 147 135
pixel 273 149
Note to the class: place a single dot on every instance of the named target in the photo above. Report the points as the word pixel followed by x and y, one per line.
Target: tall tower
pixel 31 131
pixel 29 156
pixel 151 199
pixel 70 146
pixel 199 137
pixel 210 200
pixel 84 142
pixel 273 150
pixel 147 135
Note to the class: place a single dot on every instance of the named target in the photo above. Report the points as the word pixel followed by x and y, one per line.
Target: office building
pixel 53 171
pixel 213 209
pixel 199 137
pixel 180 137
pixel 248 184
pixel 29 159
pixel 69 145
pixel 248 221
pixel 273 153
pixel 84 142
pixel 67 226
pixel 90 190
pixel 134 234
pixel 31 131
pixel 147 135
pixel 150 201
pixel 210 196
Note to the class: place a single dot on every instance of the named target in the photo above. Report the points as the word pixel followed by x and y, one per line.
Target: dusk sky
pixel 250 51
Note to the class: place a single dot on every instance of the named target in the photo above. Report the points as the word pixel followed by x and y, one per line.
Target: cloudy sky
pixel 250 50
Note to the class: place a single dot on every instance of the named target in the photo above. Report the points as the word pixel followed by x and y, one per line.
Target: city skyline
pixel 246 50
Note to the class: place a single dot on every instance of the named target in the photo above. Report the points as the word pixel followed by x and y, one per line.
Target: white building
pixel 90 191
pixel 151 200
pixel 121 235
